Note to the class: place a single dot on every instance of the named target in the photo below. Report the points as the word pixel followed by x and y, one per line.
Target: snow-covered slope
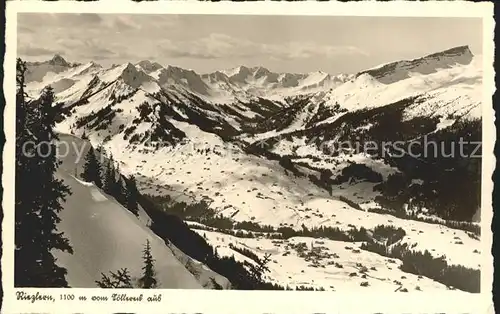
pixel 107 237
pixel 451 84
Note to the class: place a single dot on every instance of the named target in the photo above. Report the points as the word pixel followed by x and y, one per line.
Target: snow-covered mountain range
pixel 232 99
pixel 251 143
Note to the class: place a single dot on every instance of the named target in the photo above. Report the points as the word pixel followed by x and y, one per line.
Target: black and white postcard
pixel 335 157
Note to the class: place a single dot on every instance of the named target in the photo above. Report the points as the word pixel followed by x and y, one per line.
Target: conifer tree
pixel 109 177
pixel 52 190
pixel 119 279
pixel 113 184
pixel 132 195
pixel 215 284
pixel 117 169
pixel 119 188
pixel 119 191
pixel 148 279
pixel 92 169
pixel 26 219
pixel 38 194
pixel 100 156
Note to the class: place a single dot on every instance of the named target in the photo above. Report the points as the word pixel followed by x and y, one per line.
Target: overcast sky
pixel 206 43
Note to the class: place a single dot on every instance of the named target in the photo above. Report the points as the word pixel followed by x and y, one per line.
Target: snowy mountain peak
pixel 319 74
pixel 136 78
pixel 149 66
pixel 241 71
pixel 219 73
pixel 288 80
pixel 189 79
pixel 129 67
pixel 178 71
pixel 173 68
pixel 124 71
pixel 128 74
pixel 92 63
pixel 216 76
pixel 58 60
pixel 453 52
pixel 260 71
pixel 243 68
pixel 88 68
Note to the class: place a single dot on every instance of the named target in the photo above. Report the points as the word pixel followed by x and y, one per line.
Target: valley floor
pixel 248 188
pixel 324 264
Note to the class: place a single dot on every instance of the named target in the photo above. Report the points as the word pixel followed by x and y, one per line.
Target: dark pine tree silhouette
pixel 121 187
pixel 131 195
pixel 92 169
pixel 26 219
pixel 53 191
pixel 38 194
pixel 215 284
pixel 258 270
pixel 119 190
pixel 120 279
pixel 148 279
pixel 109 177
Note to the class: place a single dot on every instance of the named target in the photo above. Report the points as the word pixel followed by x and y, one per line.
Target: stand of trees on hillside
pixel 39 195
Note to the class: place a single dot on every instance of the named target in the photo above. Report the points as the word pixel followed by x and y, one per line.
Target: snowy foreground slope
pixel 107 237
pixel 248 142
